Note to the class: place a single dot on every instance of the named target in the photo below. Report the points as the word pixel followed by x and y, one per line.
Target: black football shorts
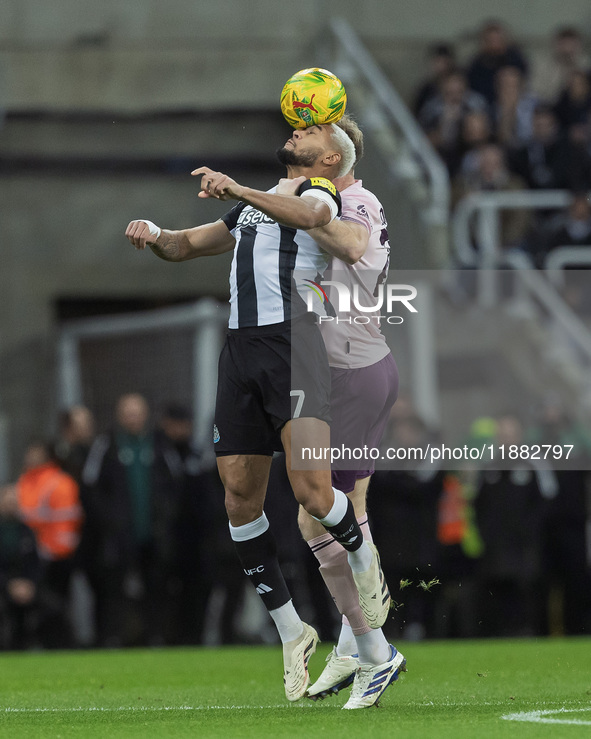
pixel 268 375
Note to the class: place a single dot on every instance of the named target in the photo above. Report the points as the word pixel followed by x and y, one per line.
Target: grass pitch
pixel 452 689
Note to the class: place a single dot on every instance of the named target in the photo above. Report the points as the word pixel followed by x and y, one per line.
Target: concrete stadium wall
pixel 146 55
pixel 140 20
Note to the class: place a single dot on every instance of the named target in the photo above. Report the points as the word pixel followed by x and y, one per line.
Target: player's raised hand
pixel 217 185
pixel 142 232
pixel 289 187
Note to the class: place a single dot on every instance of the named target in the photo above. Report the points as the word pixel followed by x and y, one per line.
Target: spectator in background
pixel 579 139
pixel 552 73
pixel 572 228
pixel 75 437
pixel 403 508
pixel 476 133
pixel 76 434
pixel 458 548
pixel 574 103
pixel 492 174
pixel 132 495
pixel 117 478
pixel 442 116
pixel 441 63
pixel 510 514
pixel 495 52
pixel 513 108
pixel 186 534
pixel 565 526
pixel 19 574
pixel 49 504
pixel 546 160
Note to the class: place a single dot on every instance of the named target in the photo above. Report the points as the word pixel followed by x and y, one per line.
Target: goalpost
pixel 169 354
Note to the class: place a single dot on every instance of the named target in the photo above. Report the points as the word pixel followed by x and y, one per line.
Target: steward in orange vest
pixel 49 504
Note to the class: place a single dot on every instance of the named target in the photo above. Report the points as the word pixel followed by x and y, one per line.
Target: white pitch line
pixel 110 709
pixel 541 717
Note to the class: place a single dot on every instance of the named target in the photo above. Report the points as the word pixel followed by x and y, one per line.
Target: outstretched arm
pixel 178 246
pixel 344 240
pixel 290 210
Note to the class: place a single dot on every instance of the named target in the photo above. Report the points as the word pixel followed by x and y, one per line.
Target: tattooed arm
pixel 178 246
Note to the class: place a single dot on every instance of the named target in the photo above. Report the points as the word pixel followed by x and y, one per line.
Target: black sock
pixel 347 532
pixel 258 558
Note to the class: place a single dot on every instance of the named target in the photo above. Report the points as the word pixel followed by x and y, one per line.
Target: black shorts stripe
pixel 247 291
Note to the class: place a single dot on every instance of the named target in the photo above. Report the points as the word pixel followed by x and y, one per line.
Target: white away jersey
pixel 354 345
pixel 261 276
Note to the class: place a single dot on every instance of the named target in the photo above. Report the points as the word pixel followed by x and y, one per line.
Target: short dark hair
pixel 177 412
pixel 442 50
pixel 567 32
pixel 544 108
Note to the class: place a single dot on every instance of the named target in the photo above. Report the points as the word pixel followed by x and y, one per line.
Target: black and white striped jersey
pixel 261 278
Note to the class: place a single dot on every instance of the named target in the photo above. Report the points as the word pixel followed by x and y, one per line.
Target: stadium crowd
pixel 503 121
pixel 137 514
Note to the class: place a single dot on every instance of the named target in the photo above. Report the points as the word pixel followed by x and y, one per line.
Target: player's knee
pixel 314 500
pixel 242 508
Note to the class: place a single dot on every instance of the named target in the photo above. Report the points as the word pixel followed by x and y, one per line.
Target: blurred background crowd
pixel 120 539
pixel 503 123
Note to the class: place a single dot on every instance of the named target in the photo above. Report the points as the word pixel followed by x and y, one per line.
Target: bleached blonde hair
pixel 346 149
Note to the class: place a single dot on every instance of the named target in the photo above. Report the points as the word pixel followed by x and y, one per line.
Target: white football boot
pixel 374 596
pixel 371 681
pixel 296 654
pixel 337 675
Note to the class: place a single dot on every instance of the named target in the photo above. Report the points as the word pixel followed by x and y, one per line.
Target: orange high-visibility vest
pixel 452 523
pixel 50 505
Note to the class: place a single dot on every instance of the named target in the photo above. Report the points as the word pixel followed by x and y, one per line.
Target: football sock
pixel 288 623
pixel 337 575
pixel 257 551
pixel 356 637
pixel 360 560
pixel 372 647
pixel 346 645
pixel 341 524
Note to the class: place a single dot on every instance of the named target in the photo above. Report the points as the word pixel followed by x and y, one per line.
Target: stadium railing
pixel 565 256
pixel 478 217
pixel 479 213
pixel 408 153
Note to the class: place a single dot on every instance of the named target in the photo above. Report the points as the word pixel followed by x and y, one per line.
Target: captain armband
pixel 322 189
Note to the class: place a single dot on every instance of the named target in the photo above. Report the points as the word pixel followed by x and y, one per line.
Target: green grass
pixel 452 689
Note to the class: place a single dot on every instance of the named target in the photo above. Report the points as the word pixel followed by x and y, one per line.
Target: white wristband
pixel 152 227
pixel 325 198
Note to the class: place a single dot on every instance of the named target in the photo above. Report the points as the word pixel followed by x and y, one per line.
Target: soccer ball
pixel 312 97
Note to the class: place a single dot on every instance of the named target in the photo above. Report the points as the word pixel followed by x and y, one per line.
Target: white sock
pixel 288 623
pixel 346 645
pixel 249 530
pixel 361 559
pixel 338 510
pixel 373 647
